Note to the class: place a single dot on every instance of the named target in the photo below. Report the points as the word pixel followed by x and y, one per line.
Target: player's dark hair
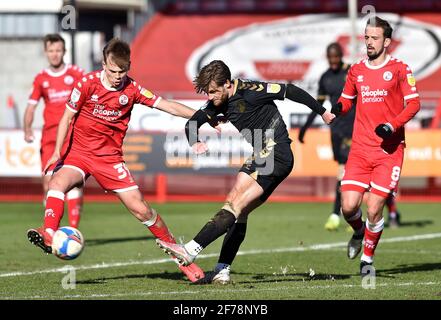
pixel 53 37
pixel 334 46
pixel 216 71
pixel 120 52
pixel 380 23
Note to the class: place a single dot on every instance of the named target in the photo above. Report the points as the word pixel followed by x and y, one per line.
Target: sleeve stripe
pixel 410 96
pixel 156 102
pixel 32 101
pixel 73 110
pixel 347 96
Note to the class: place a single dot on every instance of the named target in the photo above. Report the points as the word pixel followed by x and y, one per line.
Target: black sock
pixel 232 241
pixel 337 201
pixel 217 226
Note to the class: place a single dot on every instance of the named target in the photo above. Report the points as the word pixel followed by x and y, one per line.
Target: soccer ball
pixel 67 243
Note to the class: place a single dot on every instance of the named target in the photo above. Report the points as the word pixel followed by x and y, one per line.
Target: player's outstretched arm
pixel 192 131
pixel 299 95
pixel 175 108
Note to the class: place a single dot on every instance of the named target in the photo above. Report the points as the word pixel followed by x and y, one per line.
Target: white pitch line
pixel 96 266
pixel 323 246
pixel 213 291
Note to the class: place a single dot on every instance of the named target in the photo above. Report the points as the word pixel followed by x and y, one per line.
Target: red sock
pixel 74 205
pixel 159 228
pixel 54 209
pixel 355 221
pixel 74 210
pixel 372 236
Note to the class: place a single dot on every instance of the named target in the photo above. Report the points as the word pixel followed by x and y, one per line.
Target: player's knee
pixel 142 213
pixel 348 207
pixel 374 211
pixel 56 184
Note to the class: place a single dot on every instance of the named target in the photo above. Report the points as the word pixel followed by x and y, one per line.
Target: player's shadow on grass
pixel 406 268
pixel 98 242
pixel 147 276
pixel 291 277
pixel 418 224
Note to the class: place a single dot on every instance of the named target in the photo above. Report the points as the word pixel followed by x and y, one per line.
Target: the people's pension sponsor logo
pixel 100 111
pixel 55 95
pixel 369 96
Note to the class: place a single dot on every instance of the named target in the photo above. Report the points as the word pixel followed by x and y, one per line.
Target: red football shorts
pixel 109 171
pixel 373 169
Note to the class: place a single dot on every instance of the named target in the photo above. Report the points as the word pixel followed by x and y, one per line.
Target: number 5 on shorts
pixel 122 169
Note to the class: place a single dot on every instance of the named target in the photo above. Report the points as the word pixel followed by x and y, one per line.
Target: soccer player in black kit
pixel 331 85
pixel 250 107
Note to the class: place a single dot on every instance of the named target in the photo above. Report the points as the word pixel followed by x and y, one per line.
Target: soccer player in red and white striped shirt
pixel 387 98
pixel 54 84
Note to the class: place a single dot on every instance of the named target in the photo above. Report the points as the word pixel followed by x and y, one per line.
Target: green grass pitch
pixel 287 255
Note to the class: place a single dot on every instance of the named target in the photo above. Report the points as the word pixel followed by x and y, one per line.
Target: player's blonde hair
pixel 120 52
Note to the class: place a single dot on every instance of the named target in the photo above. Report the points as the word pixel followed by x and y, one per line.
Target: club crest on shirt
pixel 45 84
pixel 123 99
pixel 387 76
pixel 242 106
pixel 68 80
pixel 273 88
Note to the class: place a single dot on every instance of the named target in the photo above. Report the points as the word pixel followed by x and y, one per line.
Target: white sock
pixel 366 258
pixel 375 227
pixel 193 248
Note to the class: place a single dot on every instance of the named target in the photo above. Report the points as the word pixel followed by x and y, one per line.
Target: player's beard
pixel 221 101
pixel 58 65
pixel 375 55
